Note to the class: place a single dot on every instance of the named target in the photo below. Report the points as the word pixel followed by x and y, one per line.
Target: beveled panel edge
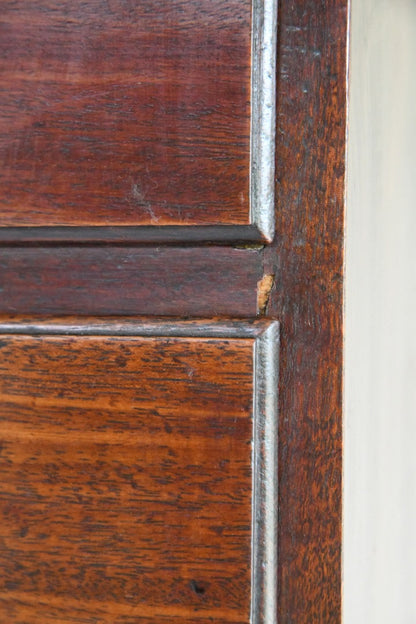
pixel 263 116
pixel 265 477
pixel 164 327
pixel 265 334
pixel 131 234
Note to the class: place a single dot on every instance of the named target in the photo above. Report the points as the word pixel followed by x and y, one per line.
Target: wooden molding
pixel 265 337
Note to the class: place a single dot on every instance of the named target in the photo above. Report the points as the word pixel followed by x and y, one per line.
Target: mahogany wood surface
pixel 305 294
pixel 307 261
pixel 157 281
pixel 126 479
pixel 125 112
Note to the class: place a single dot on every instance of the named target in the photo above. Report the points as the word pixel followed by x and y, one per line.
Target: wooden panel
pixel 167 281
pixel 126 113
pixel 127 477
pixel 307 261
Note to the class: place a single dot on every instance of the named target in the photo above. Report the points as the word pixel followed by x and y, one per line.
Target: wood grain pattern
pixel 94 345
pixel 307 261
pixel 126 479
pixel 125 113
pixel 156 281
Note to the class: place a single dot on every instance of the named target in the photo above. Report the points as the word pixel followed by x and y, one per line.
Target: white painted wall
pixel 380 383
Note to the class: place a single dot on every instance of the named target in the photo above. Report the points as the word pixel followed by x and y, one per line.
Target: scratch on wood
pixel 264 287
pixel 140 199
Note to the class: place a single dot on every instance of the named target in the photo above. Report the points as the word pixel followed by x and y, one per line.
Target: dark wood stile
pixel 307 261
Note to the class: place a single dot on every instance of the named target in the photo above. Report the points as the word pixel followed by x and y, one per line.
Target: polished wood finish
pixel 125 113
pixel 156 281
pixel 307 261
pixel 303 290
pixel 126 479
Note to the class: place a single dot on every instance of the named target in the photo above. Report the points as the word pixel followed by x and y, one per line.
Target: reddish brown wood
pixel 306 296
pixel 156 281
pixel 125 479
pixel 307 261
pixel 121 113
